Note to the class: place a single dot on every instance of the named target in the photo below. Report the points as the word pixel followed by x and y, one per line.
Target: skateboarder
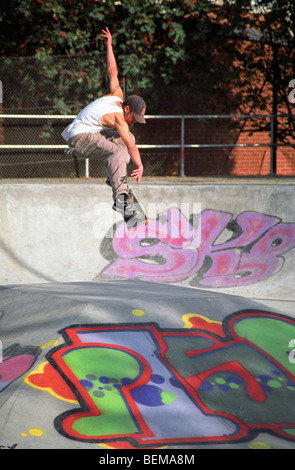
pixel 101 130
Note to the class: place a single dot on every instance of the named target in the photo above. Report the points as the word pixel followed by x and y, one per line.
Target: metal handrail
pixel 182 146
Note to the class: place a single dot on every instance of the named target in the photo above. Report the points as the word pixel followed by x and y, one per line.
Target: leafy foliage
pixel 171 50
pixel 140 29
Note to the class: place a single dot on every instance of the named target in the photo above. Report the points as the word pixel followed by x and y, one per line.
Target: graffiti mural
pixel 220 252
pixel 137 385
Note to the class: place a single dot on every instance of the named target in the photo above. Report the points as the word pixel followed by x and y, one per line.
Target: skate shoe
pixel 130 209
pixel 125 205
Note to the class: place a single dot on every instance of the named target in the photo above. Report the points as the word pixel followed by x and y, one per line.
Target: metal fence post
pixel 87 168
pixel 182 172
pixel 273 145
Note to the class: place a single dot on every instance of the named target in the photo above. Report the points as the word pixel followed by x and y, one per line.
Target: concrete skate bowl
pixel 116 341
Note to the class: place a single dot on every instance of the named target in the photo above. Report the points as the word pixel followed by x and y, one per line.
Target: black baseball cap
pixel 137 106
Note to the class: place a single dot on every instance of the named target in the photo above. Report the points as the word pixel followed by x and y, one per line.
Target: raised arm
pixel 115 88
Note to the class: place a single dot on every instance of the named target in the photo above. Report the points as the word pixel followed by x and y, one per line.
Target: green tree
pixel 191 52
pixel 264 33
pixel 147 34
pixel 263 57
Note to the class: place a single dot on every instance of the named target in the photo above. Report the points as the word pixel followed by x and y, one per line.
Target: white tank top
pixel 88 120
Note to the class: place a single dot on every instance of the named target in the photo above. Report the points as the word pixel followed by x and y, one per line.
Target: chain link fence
pixel 59 86
pixel 169 145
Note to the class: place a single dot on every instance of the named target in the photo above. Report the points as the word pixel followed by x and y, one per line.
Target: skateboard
pixel 139 218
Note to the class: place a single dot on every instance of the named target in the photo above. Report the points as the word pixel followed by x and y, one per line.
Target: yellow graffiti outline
pixel 186 319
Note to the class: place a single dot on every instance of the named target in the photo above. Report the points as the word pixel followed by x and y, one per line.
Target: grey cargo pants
pixel 108 146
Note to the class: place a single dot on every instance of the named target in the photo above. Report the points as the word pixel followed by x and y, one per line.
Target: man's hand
pixel 108 37
pixel 137 174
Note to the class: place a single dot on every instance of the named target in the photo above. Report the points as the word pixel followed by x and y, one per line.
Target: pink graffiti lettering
pixel 252 251
pixel 165 255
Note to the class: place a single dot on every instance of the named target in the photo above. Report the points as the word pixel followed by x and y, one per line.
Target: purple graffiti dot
pixel 126 381
pixel 104 380
pixel 148 395
pixel 157 379
pixel 265 388
pixel 265 378
pixel 86 383
pixel 232 379
pixel 175 383
pixel 224 388
pixel 290 384
pixel 275 372
pixel 206 386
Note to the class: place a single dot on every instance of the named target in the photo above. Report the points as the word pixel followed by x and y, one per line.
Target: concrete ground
pixel 177 335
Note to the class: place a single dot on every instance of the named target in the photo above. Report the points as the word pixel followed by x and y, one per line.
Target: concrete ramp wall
pixel 230 236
